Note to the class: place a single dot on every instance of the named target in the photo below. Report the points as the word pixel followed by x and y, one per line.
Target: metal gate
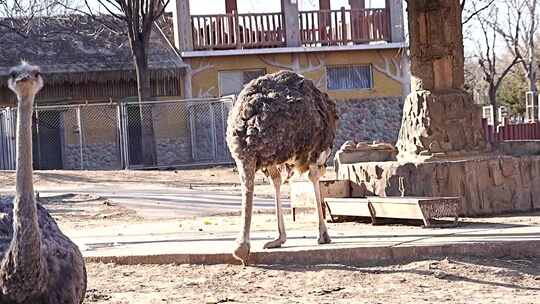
pixel 184 132
pixel 7 139
pixel 121 135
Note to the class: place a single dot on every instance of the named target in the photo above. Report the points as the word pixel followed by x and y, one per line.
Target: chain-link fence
pixel 131 135
pixel 7 139
pixel 172 133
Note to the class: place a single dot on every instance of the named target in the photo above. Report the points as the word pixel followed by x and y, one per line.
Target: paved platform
pixel 348 247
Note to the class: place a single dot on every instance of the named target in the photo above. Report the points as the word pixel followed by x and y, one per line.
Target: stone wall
pixel 99 156
pixel 371 119
pixel 487 185
pixel 173 151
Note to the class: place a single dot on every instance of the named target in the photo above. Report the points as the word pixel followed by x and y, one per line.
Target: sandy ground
pixel 432 281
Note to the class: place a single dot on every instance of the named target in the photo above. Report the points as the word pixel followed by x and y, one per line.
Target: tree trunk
pixel 493 103
pixel 144 90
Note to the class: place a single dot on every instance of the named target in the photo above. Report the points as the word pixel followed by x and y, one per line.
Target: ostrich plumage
pixel 279 121
pixel 64 277
pixel 280 118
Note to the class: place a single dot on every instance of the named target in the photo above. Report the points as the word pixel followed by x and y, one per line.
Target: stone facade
pixel 371 119
pixel 103 156
pixel 173 151
pixel 487 185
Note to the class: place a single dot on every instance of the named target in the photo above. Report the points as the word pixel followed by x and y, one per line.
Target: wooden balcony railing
pixel 237 31
pixel 342 27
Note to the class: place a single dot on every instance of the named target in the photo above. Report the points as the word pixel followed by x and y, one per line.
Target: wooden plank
pixel 348 207
pixel 397 211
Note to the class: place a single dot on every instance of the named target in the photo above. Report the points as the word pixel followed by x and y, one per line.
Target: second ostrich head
pixel 25 81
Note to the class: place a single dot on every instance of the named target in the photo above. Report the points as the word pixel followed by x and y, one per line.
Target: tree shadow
pixel 514 267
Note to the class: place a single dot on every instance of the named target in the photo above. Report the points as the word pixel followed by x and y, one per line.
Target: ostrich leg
pixel 315 175
pixel 275 177
pixel 246 169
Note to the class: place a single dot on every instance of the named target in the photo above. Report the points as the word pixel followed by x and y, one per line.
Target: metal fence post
pixel 120 137
pixel 12 138
pixel 125 132
pixel 213 130
pixel 81 142
pixel 38 141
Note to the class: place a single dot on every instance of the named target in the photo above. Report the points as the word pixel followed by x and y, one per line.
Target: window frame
pixel 371 75
pixel 263 69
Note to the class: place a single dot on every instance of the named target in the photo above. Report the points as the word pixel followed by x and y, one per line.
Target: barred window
pixel 349 77
pixel 232 82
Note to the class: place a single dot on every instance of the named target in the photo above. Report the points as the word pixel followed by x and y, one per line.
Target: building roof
pixel 78 48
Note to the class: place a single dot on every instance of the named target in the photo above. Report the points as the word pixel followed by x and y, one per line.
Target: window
pixel 349 77
pixel 531 114
pixel 232 82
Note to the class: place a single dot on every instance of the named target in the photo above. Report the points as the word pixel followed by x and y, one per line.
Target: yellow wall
pixel 313 65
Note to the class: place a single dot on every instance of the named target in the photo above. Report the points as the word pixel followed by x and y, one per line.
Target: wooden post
pixel 357 4
pixel 183 31
pixel 231 6
pixel 236 21
pixel 324 19
pixel 343 26
pixel 231 11
pixel 291 22
pixel 394 9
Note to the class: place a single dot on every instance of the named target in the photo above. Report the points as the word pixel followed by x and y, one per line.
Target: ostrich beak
pixel 23 77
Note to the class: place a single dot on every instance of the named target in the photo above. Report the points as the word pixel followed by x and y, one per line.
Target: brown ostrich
pixel 39 264
pixel 280 123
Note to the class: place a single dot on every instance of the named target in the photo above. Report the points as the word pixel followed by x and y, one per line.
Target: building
pixel 85 63
pixel 356 54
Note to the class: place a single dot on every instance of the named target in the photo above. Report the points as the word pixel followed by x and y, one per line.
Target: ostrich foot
pixel 324 238
pixel 275 243
pixel 241 252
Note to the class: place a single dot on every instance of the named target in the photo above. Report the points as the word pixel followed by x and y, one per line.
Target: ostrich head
pixel 25 80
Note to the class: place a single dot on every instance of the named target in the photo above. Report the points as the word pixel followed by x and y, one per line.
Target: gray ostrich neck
pixel 24 185
pixel 26 244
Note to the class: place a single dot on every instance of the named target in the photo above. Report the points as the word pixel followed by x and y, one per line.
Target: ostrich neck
pixel 24 185
pixel 26 244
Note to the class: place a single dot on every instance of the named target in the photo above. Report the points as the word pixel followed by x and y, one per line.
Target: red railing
pixel 342 27
pixel 523 131
pixel 237 31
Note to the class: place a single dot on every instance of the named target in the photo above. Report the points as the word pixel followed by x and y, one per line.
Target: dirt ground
pixel 431 281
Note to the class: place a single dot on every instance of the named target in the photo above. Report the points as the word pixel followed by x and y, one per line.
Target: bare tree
pixel 138 17
pixel 493 69
pixel 23 17
pixel 522 14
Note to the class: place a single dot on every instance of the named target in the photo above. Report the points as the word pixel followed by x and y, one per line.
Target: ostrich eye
pixel 37 74
pixel 12 74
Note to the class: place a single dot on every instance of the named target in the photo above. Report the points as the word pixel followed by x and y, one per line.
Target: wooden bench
pixel 421 208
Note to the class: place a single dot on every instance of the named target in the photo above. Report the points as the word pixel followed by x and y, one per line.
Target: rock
pixel 446 122
pixel 484 189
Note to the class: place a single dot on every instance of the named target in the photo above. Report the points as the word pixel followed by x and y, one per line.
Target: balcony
pixel 267 30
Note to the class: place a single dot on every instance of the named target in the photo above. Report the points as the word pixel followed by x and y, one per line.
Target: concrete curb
pixel 369 256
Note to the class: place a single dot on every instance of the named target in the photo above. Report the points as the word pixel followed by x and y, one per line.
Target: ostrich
pixel 280 123
pixel 39 264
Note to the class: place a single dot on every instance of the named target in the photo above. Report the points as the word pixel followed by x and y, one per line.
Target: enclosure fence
pixel 124 135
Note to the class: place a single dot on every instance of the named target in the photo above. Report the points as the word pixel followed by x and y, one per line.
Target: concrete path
pixel 159 202
pixel 356 247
